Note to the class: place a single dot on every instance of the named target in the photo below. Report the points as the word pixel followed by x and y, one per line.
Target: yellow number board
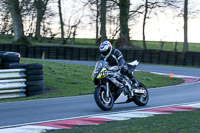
pixel 103 73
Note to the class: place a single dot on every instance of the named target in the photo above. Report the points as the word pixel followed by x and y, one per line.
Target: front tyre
pixel 105 103
pixel 141 99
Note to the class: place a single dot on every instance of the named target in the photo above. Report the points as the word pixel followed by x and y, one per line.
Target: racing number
pixel 104 73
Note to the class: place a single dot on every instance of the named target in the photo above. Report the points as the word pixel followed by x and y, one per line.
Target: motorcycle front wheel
pixel 142 99
pixel 103 102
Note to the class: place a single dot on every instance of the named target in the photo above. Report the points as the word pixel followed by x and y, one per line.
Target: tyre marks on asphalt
pixel 101 118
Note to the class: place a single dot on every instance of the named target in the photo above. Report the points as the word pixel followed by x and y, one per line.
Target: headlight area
pixel 97 81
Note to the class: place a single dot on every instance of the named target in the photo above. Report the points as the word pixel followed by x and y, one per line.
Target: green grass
pixel 179 122
pixel 169 46
pixel 80 42
pixel 56 42
pixel 63 79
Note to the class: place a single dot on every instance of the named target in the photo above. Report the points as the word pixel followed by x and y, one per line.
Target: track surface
pixel 33 111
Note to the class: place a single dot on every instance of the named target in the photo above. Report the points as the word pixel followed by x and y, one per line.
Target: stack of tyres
pixel 164 57
pixel 139 55
pixel 91 54
pixel 180 58
pixel 172 58
pixel 197 59
pixel 17 65
pixel 155 55
pixel 9 59
pixel 189 58
pixel 53 52
pixel 23 50
pixel 8 47
pixel 98 54
pixel 83 54
pixel 35 79
pixel 1 58
pixel 38 52
pixel 46 52
pixel 147 56
pixel 68 53
pixel 2 47
pixel 130 55
pixel 76 54
pixel 31 52
pixel 15 48
pixel 61 52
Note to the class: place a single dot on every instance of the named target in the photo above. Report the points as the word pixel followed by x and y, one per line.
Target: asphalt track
pixel 35 111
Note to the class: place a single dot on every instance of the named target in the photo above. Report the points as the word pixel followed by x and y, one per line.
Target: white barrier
pixel 12 83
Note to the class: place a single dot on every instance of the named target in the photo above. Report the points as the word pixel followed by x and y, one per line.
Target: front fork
pixel 107 89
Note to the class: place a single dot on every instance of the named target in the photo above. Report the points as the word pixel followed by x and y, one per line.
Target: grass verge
pixel 89 42
pixel 179 122
pixel 63 79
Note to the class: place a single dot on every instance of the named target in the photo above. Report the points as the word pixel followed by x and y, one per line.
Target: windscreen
pixel 99 65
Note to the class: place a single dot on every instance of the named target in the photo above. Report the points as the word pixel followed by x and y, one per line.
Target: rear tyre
pixel 142 99
pixel 105 103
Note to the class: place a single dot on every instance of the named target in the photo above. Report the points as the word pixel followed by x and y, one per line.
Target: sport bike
pixel 113 87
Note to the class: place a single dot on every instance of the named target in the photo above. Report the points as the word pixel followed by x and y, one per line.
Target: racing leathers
pixel 115 58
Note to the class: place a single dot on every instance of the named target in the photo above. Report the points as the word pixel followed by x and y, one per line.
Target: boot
pixel 135 83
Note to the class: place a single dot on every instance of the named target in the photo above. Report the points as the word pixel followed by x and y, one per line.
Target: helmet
pixel 105 48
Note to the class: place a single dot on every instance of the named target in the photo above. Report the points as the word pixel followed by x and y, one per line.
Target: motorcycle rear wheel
pixel 103 102
pixel 141 100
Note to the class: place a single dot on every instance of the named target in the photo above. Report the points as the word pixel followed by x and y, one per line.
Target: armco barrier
pixel 12 83
pixel 92 54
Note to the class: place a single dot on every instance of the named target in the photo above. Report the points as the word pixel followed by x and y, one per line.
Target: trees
pixel 18 28
pixel 94 9
pixel 103 20
pixel 144 23
pixel 124 6
pixel 111 18
pixel 124 39
pixel 185 45
pixel 40 6
pixel 97 22
pixel 6 26
pixel 61 23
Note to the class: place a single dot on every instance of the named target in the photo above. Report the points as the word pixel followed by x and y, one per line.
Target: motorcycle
pixel 113 87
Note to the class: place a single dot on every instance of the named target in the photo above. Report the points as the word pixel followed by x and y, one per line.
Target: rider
pixel 115 58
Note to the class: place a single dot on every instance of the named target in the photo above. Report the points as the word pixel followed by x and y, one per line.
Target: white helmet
pixel 105 48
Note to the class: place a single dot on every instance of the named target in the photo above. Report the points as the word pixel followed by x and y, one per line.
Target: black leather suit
pixel 116 59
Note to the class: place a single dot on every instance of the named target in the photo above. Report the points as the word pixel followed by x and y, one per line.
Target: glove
pixel 113 68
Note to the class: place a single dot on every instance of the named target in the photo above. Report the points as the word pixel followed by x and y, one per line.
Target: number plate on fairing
pixel 103 74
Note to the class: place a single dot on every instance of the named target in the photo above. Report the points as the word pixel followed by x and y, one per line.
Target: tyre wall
pixel 92 54
pixel 35 79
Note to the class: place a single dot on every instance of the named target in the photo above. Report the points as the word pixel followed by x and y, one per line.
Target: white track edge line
pixel 32 123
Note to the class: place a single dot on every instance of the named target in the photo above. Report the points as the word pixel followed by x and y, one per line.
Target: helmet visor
pixel 104 53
